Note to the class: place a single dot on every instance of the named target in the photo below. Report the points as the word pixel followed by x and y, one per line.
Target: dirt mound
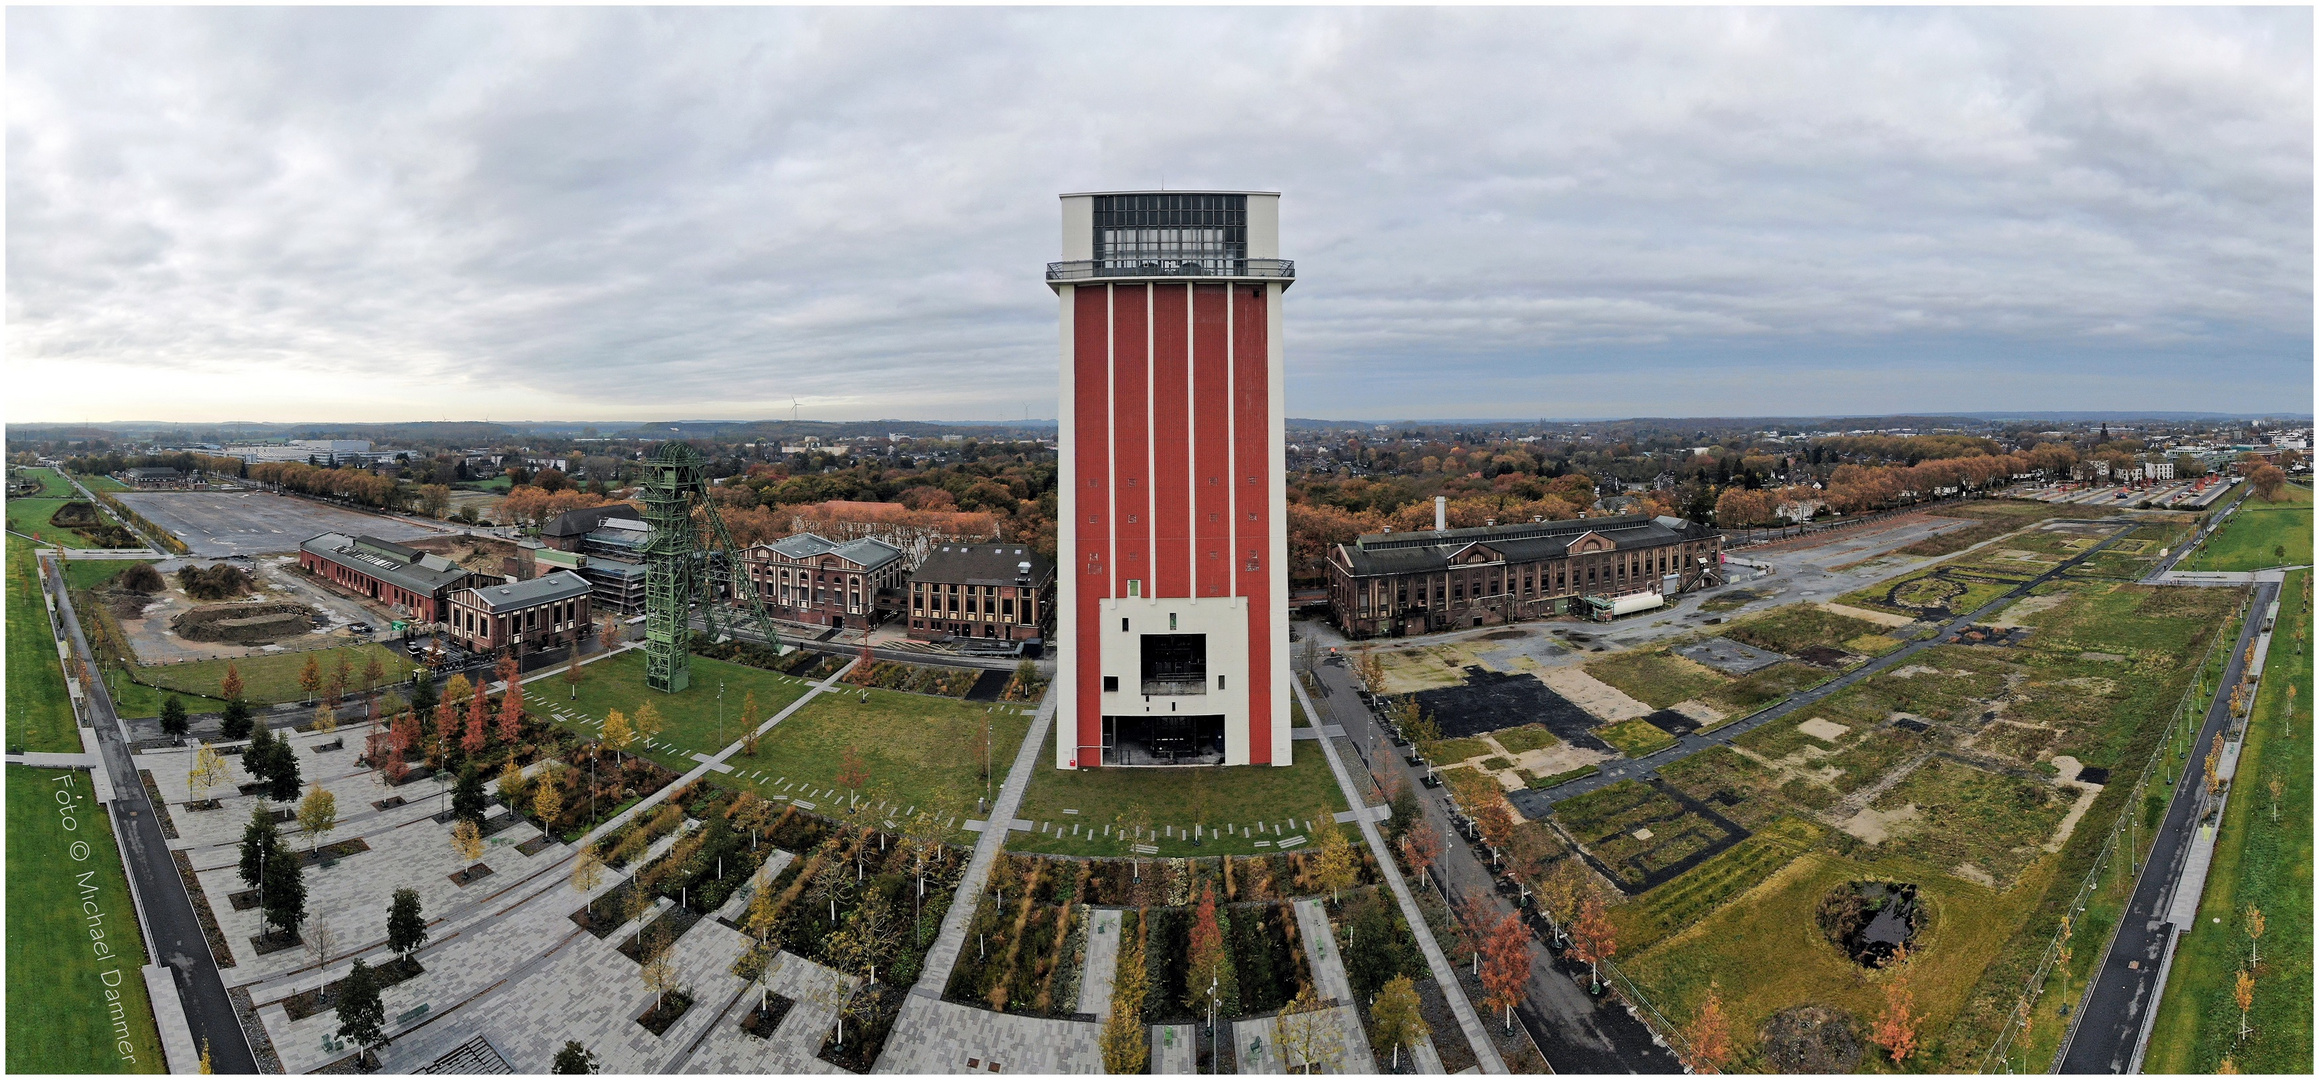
pixel 244 624
pixel 76 515
pixel 1811 1039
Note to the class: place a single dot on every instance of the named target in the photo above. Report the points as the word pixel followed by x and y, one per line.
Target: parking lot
pixel 223 523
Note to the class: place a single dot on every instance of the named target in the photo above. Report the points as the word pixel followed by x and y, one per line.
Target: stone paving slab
pixel 944 1036
pixel 1174 1050
pixel 1320 952
pixel 793 1046
pixel 1256 1045
pixel 1102 963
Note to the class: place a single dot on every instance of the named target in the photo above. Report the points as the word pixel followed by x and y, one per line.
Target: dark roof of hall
pixel 982 564
pixel 1421 552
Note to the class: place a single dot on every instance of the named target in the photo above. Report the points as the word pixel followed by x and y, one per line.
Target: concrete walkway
pixel 1102 967
pixel 2120 1000
pixel 1484 1050
pixel 1320 952
pixel 917 1033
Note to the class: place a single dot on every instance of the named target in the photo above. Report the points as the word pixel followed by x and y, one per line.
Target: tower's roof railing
pixel 1092 269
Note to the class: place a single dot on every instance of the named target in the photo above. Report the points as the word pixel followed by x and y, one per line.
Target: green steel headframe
pixel 675 566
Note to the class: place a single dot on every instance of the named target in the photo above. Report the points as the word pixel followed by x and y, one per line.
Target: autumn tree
pixel 1506 964
pixel 2243 992
pixel 310 677
pixel 1124 1042
pixel 2252 923
pixel 659 976
pixel 317 814
pixel 648 722
pixel 587 871
pixel 478 712
pixel 2277 787
pixel 1420 846
pixel 1593 939
pixel 467 840
pixel 1496 824
pixel 230 688
pixel 2267 481
pixel 1895 1028
pixel 1336 866
pixel 1560 890
pixel 1307 1033
pixel 1709 1036
pixel 574 674
pixel 1210 966
pixel 325 718
pixel 852 771
pixel 510 708
pixel 547 799
pixel 1397 1017
pixel 209 770
pixel 617 733
pixel 2214 767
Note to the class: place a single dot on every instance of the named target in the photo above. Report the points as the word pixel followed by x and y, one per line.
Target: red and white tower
pixel 1173 628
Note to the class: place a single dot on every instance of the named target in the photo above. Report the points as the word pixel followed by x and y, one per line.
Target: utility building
pixel 1173 628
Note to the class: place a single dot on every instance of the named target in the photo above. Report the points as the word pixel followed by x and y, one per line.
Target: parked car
pixel 359 627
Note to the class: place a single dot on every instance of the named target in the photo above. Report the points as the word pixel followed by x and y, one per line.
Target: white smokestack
pixel 1441 513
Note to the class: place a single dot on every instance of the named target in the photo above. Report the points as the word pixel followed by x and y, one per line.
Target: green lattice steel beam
pixel 676 574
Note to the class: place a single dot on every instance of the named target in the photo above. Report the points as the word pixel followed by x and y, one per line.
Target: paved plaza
pixel 222 523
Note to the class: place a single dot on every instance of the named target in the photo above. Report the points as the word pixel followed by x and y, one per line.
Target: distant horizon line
pixel 1049 422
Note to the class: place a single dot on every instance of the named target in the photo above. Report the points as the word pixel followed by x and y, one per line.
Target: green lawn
pixel 2255 537
pixel 1205 798
pixel 1635 737
pixel 498 484
pixel 2259 861
pixel 52 483
pixel 30 517
pixel 690 717
pixel 102 483
pixel 267 678
pixel 59 1018
pixel 919 751
pixel 1765 951
pixel 37 702
pixel 1656 678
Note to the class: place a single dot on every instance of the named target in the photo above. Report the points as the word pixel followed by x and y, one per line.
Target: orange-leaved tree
pixel 1709 1035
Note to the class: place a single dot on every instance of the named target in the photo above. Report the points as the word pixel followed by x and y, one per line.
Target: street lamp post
pixel 1215 1060
pixel 720 712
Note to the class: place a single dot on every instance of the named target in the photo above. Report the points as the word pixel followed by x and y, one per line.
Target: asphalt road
pixel 1536 804
pixel 169 920
pixel 2213 522
pixel 1578 1033
pixel 2126 986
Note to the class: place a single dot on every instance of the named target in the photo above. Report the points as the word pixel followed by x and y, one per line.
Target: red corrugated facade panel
pixel 1252 528
pixel 1212 446
pixel 1091 441
pixel 1171 480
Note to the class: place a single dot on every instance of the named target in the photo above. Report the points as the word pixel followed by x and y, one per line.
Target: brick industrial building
pixel 1416 582
pixel 1173 628
pixel 525 617
pixel 995 591
pixel 405 578
pixel 805 578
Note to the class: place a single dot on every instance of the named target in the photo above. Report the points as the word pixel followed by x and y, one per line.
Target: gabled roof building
pixel 810 579
pixel 525 617
pixel 405 578
pixel 1417 582
pixel 996 591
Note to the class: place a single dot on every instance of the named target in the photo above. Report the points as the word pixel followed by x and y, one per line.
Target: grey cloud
pixel 660 212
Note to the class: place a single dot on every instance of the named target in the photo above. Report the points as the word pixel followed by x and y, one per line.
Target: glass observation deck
pixel 1171 267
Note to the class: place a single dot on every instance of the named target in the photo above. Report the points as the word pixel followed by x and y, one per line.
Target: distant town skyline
pixel 379 215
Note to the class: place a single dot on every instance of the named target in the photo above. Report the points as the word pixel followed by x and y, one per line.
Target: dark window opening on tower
pixel 1175 663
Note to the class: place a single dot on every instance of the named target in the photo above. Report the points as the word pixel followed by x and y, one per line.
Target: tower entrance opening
pixel 1167 739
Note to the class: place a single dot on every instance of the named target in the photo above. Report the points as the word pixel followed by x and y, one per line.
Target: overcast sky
pixel 361 214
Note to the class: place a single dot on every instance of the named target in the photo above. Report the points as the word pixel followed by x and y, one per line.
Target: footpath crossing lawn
pixel 52 483
pixel 918 750
pixel 690 718
pixel 75 1004
pixel 39 712
pixel 2258 860
pixel 1206 799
